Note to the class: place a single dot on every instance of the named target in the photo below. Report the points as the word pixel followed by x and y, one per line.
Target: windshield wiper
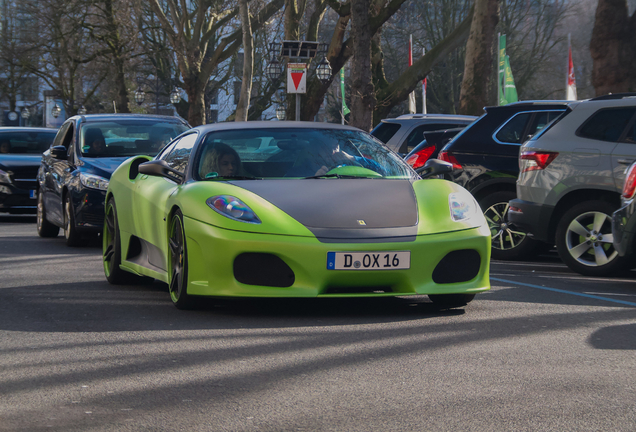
pixel 237 177
pixel 339 176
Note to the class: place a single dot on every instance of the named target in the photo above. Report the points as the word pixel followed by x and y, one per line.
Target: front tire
pixel 450 301
pixel 73 238
pixel 44 227
pixel 584 240
pixel 178 263
pixel 507 241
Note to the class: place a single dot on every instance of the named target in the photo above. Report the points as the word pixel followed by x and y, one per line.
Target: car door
pixel 57 173
pixel 152 192
pixel 625 151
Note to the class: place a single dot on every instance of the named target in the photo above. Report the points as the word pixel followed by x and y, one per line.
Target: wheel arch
pixel 488 188
pixel 579 196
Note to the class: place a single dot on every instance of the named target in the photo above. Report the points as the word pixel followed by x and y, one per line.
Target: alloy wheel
pixel 109 237
pixel 175 243
pixel 589 239
pixel 503 235
pixel 67 218
pixel 40 212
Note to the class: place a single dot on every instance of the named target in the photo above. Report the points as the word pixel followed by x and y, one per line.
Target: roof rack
pixel 611 96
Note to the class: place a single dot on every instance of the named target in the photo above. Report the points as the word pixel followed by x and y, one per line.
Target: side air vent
pixel 263 269
pixel 457 266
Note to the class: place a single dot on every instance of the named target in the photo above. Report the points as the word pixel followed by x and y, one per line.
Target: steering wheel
pixel 350 170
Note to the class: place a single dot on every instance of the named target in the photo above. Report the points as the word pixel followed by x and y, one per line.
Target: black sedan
pixel 20 155
pixel 74 173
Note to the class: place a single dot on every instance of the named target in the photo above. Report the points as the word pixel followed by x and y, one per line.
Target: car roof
pixel 26 129
pixel 430 117
pixel 532 105
pixel 274 125
pixel 88 118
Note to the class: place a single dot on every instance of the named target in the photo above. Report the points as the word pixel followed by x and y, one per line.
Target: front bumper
pixel 211 254
pixel 15 199
pixel 532 218
pixel 89 209
pixel 623 228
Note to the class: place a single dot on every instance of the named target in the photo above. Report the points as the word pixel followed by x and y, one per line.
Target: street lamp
pixel 274 69
pixel 175 96
pixel 56 111
pixel 140 95
pixel 25 113
pixel 82 110
pixel 323 71
pixel 280 112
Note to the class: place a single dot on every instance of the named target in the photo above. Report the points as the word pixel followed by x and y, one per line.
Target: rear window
pixel 607 124
pixel 27 142
pixel 385 131
pixel 417 135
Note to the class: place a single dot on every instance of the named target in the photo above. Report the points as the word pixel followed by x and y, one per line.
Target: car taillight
pixel 418 159
pixel 629 187
pixel 537 160
pixel 448 157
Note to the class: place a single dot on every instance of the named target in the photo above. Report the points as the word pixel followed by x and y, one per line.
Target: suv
pixel 485 158
pixel 571 179
pixel 402 134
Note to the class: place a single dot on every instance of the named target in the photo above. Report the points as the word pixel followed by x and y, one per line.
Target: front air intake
pixel 263 269
pixel 457 266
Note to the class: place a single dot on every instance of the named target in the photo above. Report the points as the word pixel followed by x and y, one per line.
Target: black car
pixel 74 173
pixel 485 157
pixel 430 147
pixel 21 151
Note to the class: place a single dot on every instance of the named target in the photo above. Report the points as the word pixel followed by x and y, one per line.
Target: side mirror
pixel 434 167
pixel 160 168
pixel 59 152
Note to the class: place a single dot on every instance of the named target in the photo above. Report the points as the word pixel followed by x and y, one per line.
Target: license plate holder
pixel 378 260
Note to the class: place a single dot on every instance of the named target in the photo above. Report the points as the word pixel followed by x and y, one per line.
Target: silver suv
pixel 404 133
pixel 570 181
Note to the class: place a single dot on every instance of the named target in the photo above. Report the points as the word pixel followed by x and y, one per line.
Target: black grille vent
pixel 263 269
pixel 457 266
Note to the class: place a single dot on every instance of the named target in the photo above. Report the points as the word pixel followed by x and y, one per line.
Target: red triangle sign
pixel 297 76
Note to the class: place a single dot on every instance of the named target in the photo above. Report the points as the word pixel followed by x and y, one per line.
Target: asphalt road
pixel 544 350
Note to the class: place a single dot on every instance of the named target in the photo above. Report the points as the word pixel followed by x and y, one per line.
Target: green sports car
pixel 292 209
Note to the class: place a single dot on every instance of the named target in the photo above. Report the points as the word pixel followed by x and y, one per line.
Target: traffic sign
pixel 296 78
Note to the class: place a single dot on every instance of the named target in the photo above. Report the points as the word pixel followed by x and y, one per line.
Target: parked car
pixel 623 219
pixel 21 151
pixel 485 156
pixel 571 179
pixel 74 173
pixel 429 148
pixel 404 133
pixel 315 217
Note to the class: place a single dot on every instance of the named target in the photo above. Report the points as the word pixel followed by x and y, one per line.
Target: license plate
pixel 33 194
pixel 369 260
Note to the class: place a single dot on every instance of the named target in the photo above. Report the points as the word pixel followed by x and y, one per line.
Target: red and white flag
pixel 570 86
pixel 412 108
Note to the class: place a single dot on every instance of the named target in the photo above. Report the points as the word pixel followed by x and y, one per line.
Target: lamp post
pixel 140 95
pixel 297 72
pixel 56 110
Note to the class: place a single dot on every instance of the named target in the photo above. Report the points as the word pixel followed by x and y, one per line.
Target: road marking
pixel 566 292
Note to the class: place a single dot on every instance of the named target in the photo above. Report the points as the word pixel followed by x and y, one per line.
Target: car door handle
pixel 625 162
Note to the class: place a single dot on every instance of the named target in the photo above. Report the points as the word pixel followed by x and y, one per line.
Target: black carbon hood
pixel 361 210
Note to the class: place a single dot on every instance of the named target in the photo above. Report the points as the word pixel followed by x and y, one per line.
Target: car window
pixel 385 131
pixel 630 136
pixel 416 136
pixel 512 131
pixel 61 134
pixel 178 157
pixel 540 120
pixel 296 153
pixel 127 137
pixel 607 124
pixel 26 142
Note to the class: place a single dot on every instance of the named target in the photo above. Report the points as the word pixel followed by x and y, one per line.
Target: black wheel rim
pixel 175 243
pixel 109 239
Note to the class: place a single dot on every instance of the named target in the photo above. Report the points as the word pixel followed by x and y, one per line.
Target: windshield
pixel 127 137
pixel 297 153
pixel 27 142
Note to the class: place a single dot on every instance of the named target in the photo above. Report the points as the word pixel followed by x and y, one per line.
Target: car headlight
pixel 232 208
pixel 93 181
pixel 5 177
pixel 462 206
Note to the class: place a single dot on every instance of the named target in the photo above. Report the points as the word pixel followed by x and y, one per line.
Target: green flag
pixel 505 81
pixel 345 109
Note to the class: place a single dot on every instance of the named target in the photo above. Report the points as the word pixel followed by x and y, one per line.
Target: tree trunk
pixel 243 105
pixel 362 90
pixel 478 66
pixel 613 48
